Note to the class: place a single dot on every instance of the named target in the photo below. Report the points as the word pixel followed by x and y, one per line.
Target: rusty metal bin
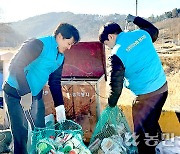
pixel 83 85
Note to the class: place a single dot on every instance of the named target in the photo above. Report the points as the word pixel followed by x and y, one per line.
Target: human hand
pixel 60 113
pixel 130 18
pixel 26 99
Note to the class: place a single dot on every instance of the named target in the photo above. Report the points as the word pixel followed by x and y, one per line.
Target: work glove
pixel 60 113
pixel 25 99
pixel 130 18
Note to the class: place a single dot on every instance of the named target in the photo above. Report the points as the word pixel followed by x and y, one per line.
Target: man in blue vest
pixel 136 64
pixel 38 61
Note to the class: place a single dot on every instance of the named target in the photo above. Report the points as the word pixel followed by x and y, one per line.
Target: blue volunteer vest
pixel 38 71
pixel 143 69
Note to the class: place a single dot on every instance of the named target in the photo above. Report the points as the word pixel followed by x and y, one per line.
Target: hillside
pixel 88 25
pixel 169 30
pixel 9 37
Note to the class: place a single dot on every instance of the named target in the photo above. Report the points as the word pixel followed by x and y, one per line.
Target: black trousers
pixel 19 124
pixel 146 113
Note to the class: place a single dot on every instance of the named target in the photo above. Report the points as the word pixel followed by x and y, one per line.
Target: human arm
pixel 55 88
pixel 116 80
pixel 28 52
pixel 145 25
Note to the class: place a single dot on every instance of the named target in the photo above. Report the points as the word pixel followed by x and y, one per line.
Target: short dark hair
pixel 67 31
pixel 108 28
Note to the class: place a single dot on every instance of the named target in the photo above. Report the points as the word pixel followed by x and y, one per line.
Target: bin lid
pixel 85 60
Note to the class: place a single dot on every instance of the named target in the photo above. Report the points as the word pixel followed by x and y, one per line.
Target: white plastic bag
pixel 170 146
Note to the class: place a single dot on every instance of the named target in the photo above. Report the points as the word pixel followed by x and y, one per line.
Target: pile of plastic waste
pixel 113 142
pixel 169 146
pixel 64 143
pixel 112 134
pixel 60 138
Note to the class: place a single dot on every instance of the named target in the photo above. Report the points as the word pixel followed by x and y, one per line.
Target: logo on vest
pixel 135 43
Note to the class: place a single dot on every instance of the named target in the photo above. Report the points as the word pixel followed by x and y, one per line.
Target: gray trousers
pixel 18 119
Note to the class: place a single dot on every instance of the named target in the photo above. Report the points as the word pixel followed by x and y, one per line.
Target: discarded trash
pixel 65 138
pixel 5 140
pixel 171 146
pixel 64 143
pixel 112 134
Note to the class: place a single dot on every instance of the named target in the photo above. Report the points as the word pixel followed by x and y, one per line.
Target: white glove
pixel 130 18
pixel 60 113
pixel 26 99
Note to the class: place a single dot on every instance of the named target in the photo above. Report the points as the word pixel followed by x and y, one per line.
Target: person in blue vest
pixel 136 65
pixel 38 61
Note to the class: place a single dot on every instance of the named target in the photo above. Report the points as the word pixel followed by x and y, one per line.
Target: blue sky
pixel 14 10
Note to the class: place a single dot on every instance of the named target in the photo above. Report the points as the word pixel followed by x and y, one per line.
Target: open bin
pixel 83 85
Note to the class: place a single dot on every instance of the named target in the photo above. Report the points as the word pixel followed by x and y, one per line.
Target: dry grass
pixel 168 29
pixel 171 65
